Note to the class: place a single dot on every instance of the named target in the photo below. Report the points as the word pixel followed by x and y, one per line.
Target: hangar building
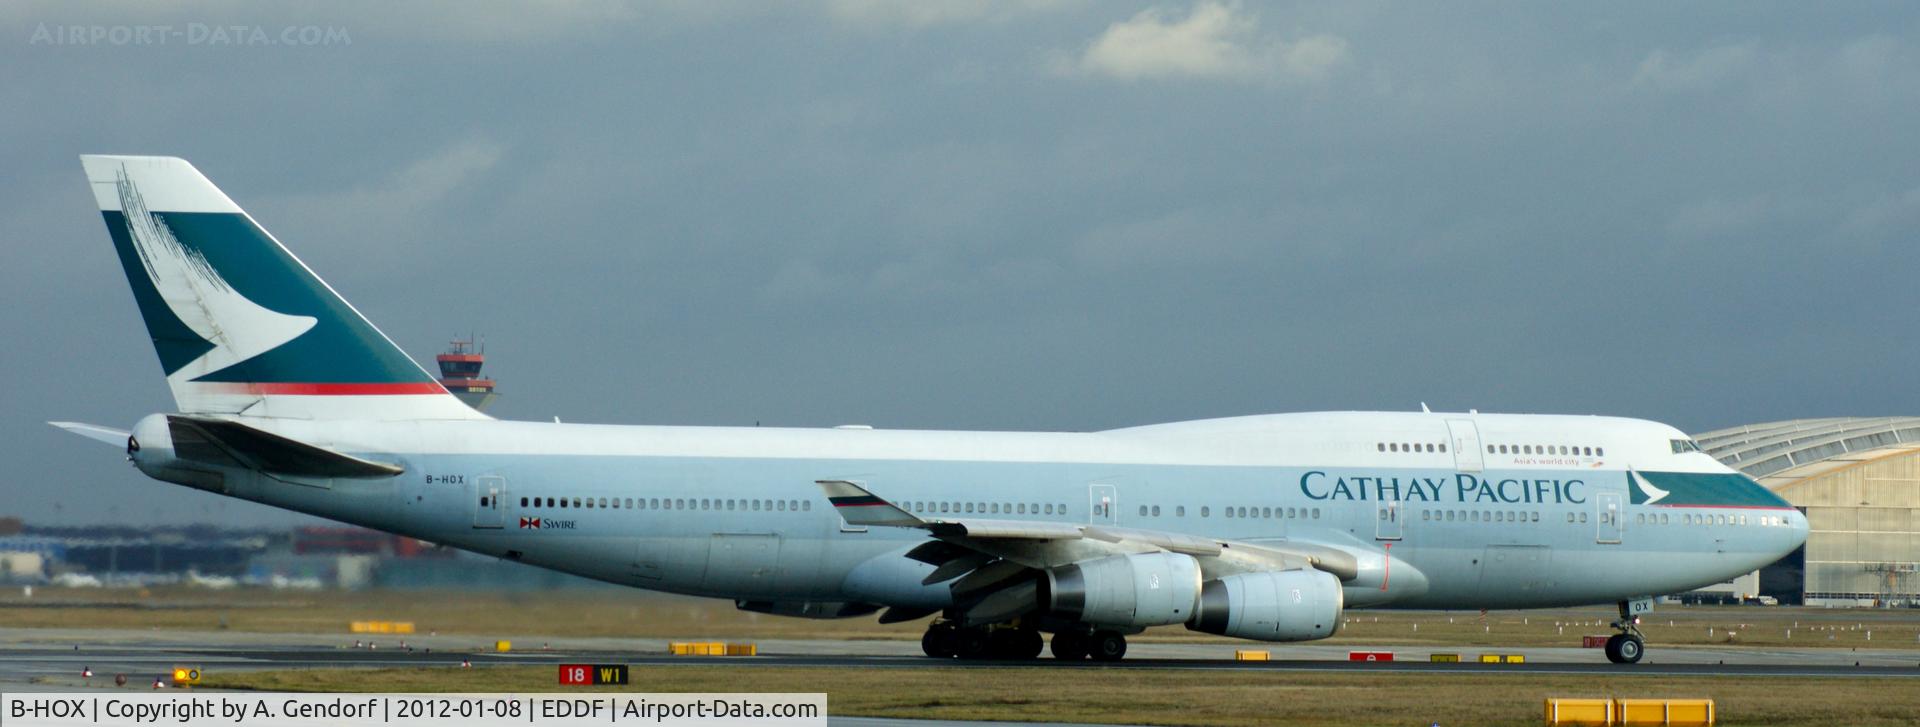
pixel 1858 481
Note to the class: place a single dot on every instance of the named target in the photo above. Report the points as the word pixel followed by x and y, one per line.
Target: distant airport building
pixel 1858 481
pixel 310 557
pixel 460 373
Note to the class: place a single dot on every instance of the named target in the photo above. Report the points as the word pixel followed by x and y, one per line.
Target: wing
pixel 1043 544
pixel 990 561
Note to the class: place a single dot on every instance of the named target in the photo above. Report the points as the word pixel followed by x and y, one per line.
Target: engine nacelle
pixel 1136 590
pixel 1294 605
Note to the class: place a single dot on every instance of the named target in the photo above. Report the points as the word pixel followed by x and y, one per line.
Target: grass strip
pixel 1154 697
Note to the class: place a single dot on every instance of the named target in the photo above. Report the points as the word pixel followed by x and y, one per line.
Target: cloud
pixel 1313 57
pixel 426 20
pixel 428 179
pixel 505 22
pixel 1720 217
pixel 399 212
pixel 1860 221
pixel 1680 72
pixel 1213 41
pixel 888 14
pixel 1888 218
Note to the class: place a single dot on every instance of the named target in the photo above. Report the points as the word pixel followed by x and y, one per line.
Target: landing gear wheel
pixel 1625 649
pixel 1069 646
pixel 1107 646
pixel 1004 643
pixel 938 641
pixel 1628 646
pixel 972 644
pixel 1017 644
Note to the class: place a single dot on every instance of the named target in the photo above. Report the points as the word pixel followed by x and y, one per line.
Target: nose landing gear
pixel 1628 646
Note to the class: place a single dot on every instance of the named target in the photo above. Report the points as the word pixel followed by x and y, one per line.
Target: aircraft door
pixel 1101 504
pixel 489 496
pixel 1466 445
pixel 1387 520
pixel 1607 512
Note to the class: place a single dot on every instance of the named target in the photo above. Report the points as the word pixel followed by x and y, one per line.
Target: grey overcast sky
pixel 1006 215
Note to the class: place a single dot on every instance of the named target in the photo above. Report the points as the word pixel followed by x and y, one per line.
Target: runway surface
pixel 55 657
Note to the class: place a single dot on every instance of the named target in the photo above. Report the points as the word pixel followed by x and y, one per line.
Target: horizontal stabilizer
pixel 95 432
pixel 222 442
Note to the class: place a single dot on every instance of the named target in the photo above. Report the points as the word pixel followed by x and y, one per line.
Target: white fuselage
pixel 1440 510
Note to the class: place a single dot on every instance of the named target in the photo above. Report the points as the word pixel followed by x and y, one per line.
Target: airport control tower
pixel 460 373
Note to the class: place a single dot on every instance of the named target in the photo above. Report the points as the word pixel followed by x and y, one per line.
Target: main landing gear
pixel 947 640
pixel 1097 645
pixel 1627 646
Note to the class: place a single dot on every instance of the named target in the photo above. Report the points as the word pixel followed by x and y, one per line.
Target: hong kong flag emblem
pixel 532 523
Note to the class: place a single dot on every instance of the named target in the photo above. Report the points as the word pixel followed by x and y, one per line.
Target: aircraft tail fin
pixel 242 326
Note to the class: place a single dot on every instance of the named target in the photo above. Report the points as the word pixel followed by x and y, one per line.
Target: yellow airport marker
pixel 711 648
pixel 1690 712
pixel 1580 712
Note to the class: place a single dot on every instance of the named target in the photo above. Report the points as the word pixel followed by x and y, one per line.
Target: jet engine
pixel 1135 590
pixel 1294 605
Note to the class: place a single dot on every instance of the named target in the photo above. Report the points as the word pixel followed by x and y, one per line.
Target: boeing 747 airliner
pixel 1264 527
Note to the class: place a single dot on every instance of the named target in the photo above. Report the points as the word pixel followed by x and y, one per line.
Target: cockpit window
pixel 1682 446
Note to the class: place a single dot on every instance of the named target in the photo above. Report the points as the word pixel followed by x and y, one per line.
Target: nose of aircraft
pixel 1782 539
pixel 1797 522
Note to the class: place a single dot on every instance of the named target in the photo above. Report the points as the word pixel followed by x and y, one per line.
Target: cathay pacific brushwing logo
pixel 1648 493
pixel 238 328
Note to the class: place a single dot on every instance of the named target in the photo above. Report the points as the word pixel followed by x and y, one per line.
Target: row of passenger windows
pixel 1002 508
pixel 1416 447
pixel 1510 516
pixel 1405 447
pixel 1771 521
pixel 988 508
pixel 664 503
pixel 1482 516
pixel 1236 511
pixel 1546 449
